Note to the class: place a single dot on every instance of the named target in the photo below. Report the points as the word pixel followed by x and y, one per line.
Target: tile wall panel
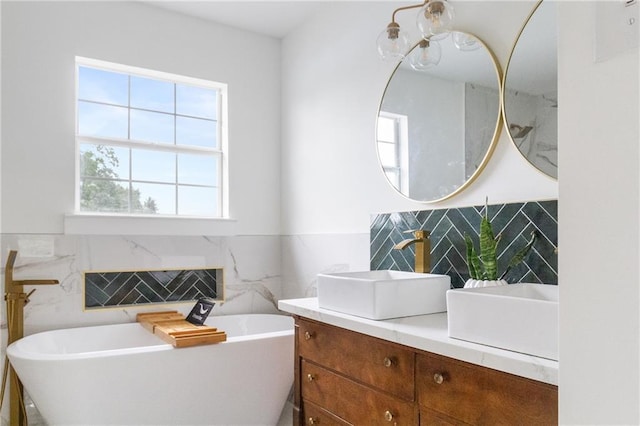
pixel 515 221
pixel 110 289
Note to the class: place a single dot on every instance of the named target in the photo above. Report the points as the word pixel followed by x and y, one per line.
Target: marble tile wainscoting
pixel 306 256
pixel 258 271
pixel 515 221
pixel 251 268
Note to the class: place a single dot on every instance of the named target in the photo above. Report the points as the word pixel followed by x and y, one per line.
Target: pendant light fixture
pixel 425 55
pixel 393 43
pixel 465 42
pixel 434 21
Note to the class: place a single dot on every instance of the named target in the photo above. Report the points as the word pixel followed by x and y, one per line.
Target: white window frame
pixel 82 222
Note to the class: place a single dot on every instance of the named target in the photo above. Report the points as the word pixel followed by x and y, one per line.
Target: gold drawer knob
pixel 311 377
pixel 313 421
pixel 388 362
pixel 308 335
pixel 388 416
pixel 438 378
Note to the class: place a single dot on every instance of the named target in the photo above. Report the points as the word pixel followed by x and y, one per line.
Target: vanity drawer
pixel 433 418
pixel 314 415
pixel 385 365
pixel 352 401
pixel 478 395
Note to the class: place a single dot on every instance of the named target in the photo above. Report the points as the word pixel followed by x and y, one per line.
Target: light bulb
pixel 465 42
pixel 425 55
pixel 393 43
pixel 435 19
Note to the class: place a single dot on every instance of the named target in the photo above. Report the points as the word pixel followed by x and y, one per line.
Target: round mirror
pixel 530 90
pixel 439 118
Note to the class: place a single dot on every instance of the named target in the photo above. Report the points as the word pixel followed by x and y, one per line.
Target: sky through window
pixel 147 145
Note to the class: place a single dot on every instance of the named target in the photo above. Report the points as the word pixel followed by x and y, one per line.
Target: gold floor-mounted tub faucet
pixel 16 299
pixel 423 249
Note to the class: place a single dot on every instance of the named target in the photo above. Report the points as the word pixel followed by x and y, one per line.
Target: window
pixel 393 148
pixel 149 142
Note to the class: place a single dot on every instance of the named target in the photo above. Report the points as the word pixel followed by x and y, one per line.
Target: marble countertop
pixel 429 333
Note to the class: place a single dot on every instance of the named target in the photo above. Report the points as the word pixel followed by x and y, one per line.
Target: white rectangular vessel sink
pixel 383 294
pixel 517 317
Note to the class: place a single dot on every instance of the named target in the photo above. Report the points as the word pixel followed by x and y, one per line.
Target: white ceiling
pixel 272 18
pixel 277 18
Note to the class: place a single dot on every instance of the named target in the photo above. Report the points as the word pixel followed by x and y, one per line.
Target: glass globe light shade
pixel 393 43
pixel 465 42
pixel 435 19
pixel 425 55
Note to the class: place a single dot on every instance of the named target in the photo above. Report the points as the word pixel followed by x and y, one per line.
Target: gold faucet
pixel 16 299
pixel 423 249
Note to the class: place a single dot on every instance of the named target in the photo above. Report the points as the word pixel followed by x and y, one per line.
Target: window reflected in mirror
pixel 393 147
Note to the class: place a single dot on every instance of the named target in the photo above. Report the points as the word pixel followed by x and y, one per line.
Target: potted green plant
pixel 483 265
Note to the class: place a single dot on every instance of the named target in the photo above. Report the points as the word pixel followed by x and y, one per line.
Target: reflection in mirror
pixel 531 90
pixel 437 126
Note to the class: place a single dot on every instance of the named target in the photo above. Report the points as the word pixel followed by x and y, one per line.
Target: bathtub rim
pixel 17 350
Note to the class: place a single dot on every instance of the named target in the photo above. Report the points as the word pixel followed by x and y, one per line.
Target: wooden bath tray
pixel 173 328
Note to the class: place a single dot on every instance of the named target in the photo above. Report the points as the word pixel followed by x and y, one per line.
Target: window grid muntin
pixel 146 110
pixel 220 132
pixel 159 148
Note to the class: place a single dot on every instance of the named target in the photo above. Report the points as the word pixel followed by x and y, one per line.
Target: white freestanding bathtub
pixel 124 375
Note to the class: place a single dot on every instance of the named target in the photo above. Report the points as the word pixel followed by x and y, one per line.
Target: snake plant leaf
pixel 521 254
pixel 473 262
pixel 488 247
pixel 484 266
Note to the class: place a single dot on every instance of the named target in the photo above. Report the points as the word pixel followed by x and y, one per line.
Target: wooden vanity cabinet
pixel 314 415
pixel 348 378
pixel 355 378
pixel 470 394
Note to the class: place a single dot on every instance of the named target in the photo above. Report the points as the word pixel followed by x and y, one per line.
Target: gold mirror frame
pixel 523 129
pixel 492 141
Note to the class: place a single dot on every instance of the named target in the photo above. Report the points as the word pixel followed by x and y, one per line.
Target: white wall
pixel 331 181
pixel 598 234
pixel 332 84
pixel 1 38
pixel 39 42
